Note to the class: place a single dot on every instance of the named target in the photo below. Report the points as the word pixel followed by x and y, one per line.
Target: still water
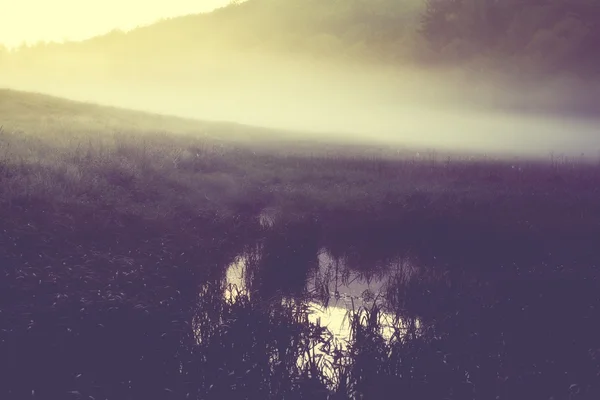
pixel 333 289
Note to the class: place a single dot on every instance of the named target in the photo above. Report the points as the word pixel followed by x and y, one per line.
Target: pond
pixel 332 290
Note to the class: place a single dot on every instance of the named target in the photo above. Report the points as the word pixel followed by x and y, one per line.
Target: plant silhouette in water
pixel 256 349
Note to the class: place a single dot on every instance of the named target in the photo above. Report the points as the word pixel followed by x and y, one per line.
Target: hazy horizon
pixel 315 100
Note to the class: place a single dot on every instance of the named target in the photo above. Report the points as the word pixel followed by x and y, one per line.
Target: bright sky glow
pixel 56 20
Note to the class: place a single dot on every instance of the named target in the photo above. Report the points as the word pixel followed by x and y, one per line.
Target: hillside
pixel 59 121
pixel 547 36
pixel 82 154
pixel 306 65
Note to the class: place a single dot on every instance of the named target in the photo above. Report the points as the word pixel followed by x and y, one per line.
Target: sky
pixel 58 20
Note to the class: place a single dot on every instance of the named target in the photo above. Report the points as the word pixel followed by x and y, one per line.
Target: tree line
pixel 547 36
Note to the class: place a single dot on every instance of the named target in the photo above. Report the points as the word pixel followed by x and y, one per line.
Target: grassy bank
pixel 67 152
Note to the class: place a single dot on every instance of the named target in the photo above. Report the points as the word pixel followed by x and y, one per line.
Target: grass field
pixel 68 152
pixel 116 227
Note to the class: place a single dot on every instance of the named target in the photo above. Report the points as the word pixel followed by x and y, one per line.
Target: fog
pixel 366 104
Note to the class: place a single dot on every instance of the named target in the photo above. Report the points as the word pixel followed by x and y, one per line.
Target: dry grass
pixel 63 151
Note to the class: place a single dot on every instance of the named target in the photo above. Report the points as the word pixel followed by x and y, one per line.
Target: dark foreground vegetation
pixel 114 246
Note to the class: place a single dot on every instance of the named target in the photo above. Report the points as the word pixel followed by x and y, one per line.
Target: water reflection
pixel 330 292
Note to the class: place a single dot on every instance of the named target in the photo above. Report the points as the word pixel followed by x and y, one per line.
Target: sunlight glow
pixel 32 21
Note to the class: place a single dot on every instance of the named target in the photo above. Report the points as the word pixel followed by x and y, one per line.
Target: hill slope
pixel 547 36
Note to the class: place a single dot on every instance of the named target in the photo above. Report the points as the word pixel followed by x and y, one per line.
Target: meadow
pixel 117 228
